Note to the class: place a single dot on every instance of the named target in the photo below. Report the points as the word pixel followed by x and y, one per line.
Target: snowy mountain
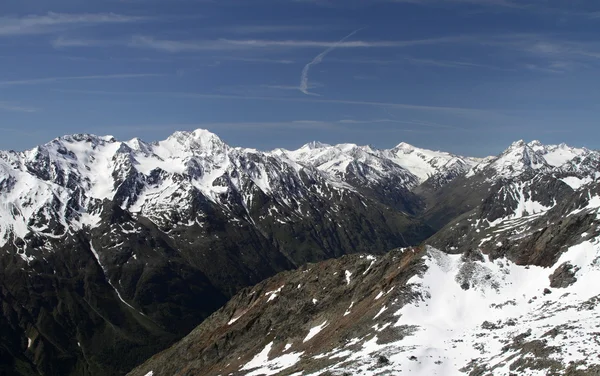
pixel 65 180
pixel 412 164
pixel 523 157
pixel 506 288
pixel 108 229
pixel 113 250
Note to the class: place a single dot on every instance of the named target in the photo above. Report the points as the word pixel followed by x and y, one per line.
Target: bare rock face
pixel 563 276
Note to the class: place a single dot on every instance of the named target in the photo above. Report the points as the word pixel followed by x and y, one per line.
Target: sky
pixel 465 76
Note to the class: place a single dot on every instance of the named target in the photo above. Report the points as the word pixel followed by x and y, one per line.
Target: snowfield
pixel 492 316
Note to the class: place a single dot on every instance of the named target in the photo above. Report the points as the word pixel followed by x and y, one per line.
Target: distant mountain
pixel 113 250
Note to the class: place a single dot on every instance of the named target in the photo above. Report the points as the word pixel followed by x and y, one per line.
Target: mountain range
pixel 363 261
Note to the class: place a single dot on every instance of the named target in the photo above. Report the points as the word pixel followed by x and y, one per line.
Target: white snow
pixel 558 155
pixel 262 365
pixel 422 162
pixel 575 182
pixel 526 206
pixel 383 309
pixel 273 294
pixel 415 165
pixel 259 359
pixel 447 320
pixel 108 279
pixel 314 331
pixel 233 320
pixel 348 274
pixel 349 310
pixel 592 205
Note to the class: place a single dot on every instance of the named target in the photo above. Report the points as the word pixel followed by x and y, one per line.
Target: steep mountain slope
pixel 112 250
pixel 526 206
pixel 520 162
pixel 507 287
pixel 459 310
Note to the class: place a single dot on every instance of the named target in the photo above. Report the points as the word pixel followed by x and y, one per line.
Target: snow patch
pixel 314 331
pixel 348 274
pixel 273 294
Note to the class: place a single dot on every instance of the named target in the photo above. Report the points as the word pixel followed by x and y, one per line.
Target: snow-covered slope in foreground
pixel 509 320
pixel 408 312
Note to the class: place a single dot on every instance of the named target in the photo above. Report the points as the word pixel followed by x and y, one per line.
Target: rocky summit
pixel 326 260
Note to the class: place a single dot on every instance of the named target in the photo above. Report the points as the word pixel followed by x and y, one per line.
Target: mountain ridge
pixel 502 288
pixel 112 227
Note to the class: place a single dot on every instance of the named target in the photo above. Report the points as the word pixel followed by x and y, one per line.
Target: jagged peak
pixel 124 149
pixel 517 144
pixel 315 145
pixel 197 139
pixel 519 149
pixel 204 134
pixel 404 146
pixel 138 145
pixel 86 137
pixel 346 146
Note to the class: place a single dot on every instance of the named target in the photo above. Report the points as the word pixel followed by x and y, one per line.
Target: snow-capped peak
pixel 92 139
pixel 425 163
pixel 315 145
pixel 200 141
pixel 558 155
pixel 535 145
pixel 517 159
pixel 404 146
pixel 418 164
pixel 523 156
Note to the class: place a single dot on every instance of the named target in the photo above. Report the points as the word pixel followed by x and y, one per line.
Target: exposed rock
pixel 563 276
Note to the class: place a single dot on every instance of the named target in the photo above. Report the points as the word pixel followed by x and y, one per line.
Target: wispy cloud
pixel 317 60
pixel 166 45
pixel 497 3
pixel 256 60
pixel 463 111
pixel 49 80
pixel 13 107
pixel 268 29
pixel 549 53
pixel 281 87
pixel 64 42
pixel 50 22
pixel 261 43
pixel 418 123
pixel 448 63
pixel 174 46
pixel 361 3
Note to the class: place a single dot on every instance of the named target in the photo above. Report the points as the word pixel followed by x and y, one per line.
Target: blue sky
pixel 467 76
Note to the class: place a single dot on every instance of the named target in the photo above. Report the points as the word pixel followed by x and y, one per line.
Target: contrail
pixel 304 77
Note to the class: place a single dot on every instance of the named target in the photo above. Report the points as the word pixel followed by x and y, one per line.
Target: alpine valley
pixel 191 257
